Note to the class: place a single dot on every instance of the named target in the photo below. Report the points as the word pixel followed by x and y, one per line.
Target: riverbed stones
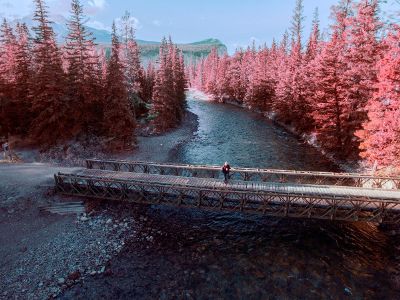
pixel 347 291
pixel 74 275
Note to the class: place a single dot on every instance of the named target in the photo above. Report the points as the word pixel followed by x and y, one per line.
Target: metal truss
pixel 247 174
pixel 280 204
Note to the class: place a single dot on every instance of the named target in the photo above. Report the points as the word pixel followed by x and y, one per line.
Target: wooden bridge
pixel 282 193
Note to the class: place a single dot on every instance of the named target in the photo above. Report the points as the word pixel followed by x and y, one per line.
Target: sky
pixel 236 23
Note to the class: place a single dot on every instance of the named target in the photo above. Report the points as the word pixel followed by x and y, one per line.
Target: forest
pixel 341 90
pixel 53 93
pixel 338 89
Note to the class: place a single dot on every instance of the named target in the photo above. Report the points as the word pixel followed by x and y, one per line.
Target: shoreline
pixel 156 148
pixel 50 243
pixel 161 148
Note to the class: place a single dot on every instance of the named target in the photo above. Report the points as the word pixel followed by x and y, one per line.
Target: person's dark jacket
pixel 226 169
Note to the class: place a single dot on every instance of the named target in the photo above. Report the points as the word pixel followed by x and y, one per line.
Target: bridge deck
pixel 268 198
pixel 210 183
pixel 250 174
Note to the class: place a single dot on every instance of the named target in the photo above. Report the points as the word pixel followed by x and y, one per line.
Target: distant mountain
pixel 191 51
pixel 208 42
pixel 149 49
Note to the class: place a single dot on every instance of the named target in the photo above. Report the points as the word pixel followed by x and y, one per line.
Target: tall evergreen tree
pixel 82 76
pixel 363 51
pixel 8 47
pixel 51 122
pixel 133 71
pixel 380 133
pixel 163 95
pixel 23 78
pixel 118 122
pixel 330 113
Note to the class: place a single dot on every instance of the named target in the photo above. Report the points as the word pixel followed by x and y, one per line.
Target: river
pixel 206 255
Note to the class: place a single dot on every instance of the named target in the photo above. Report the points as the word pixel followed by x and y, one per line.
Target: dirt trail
pixel 43 254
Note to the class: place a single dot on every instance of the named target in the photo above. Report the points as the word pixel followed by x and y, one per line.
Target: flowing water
pixel 245 139
pixel 208 255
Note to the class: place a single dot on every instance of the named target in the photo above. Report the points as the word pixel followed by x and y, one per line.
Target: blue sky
pixel 235 22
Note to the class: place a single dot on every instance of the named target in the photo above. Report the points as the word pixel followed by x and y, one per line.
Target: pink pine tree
pixel 162 111
pixel 8 48
pixel 118 121
pixel 362 53
pixel 133 69
pixel 23 78
pixel 83 81
pixel 330 113
pixel 148 82
pixel 381 139
pixel 222 78
pixel 51 121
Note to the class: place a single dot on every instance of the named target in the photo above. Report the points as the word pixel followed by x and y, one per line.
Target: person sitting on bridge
pixel 225 169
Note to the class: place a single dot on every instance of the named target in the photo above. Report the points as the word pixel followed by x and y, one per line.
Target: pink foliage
pixel 381 138
pixel 327 88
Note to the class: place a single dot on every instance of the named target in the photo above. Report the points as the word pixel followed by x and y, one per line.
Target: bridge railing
pixel 249 174
pixel 271 203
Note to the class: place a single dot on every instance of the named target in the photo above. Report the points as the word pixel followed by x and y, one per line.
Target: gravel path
pixel 43 254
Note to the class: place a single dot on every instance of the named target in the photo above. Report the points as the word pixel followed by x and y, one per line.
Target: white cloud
pixel 100 4
pixel 156 23
pixel 97 25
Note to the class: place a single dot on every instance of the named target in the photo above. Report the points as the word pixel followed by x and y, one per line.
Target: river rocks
pixel 74 250
pixel 74 275
pixel 347 291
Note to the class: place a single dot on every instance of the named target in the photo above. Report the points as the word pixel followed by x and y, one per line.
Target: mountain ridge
pixel 149 49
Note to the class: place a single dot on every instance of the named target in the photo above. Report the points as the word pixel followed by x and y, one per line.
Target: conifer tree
pixel 222 78
pixel 363 51
pixel 330 104
pixel 133 70
pixel 148 82
pixel 169 88
pixel 82 76
pixel 237 89
pixel 118 122
pixel 51 122
pixel 291 104
pixel 163 109
pixel 380 133
pixel 23 78
pixel 8 47
pixel 179 86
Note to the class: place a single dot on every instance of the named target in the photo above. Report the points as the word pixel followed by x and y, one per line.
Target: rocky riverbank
pixel 149 148
pixel 50 243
